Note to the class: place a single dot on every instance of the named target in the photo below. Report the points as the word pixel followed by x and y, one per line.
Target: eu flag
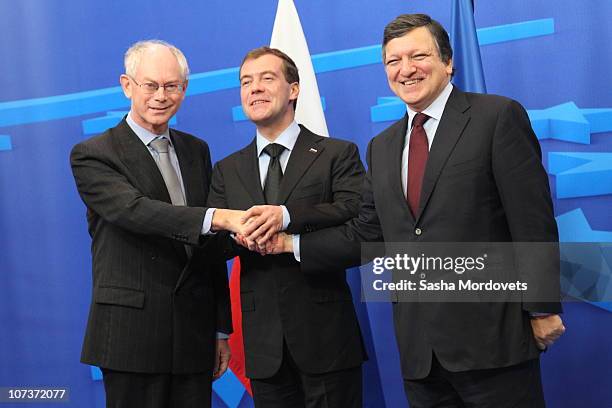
pixel 469 75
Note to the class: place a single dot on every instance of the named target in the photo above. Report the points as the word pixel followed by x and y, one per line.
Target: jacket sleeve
pixel 346 177
pixel 523 187
pixel 340 247
pixel 106 189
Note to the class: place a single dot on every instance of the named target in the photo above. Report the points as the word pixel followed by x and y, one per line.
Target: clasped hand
pixel 258 229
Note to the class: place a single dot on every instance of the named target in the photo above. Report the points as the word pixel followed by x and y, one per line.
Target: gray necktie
pixel 170 177
pixel 167 170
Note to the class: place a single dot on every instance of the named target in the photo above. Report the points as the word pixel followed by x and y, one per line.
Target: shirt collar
pixel 143 134
pixel 287 138
pixel 436 108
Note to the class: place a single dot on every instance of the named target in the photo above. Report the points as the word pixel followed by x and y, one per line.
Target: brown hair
pixel 405 23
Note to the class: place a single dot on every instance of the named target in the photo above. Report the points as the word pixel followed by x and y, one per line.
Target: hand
pixel 546 330
pixel 263 222
pixel 278 244
pixel 247 243
pixel 229 220
pixel 222 358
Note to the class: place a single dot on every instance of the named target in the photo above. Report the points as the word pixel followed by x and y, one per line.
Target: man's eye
pixel 149 86
pixel 245 83
pixel 419 57
pixel 268 78
pixel 392 61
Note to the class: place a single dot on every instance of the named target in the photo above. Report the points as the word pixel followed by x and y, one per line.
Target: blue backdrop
pixel 59 85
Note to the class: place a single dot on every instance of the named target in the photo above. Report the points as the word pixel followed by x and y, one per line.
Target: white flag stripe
pixel 288 36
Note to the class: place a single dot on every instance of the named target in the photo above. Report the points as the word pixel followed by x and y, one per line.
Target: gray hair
pixel 135 52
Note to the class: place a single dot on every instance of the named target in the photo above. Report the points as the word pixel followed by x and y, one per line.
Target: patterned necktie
pixel 417 159
pixel 275 173
pixel 167 170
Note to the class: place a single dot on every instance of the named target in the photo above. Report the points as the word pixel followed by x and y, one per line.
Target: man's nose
pixel 407 66
pixel 160 94
pixel 256 86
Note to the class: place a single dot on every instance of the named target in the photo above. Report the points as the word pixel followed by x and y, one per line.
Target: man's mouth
pixel 158 109
pixel 410 82
pixel 258 102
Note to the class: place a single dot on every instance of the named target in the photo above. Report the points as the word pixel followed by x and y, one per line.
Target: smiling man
pixel 302 342
pixel 458 167
pixel 159 317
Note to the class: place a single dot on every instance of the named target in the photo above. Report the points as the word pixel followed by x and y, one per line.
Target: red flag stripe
pixel 236 364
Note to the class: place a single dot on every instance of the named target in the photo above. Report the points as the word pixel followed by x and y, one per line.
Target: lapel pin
pixel 313 150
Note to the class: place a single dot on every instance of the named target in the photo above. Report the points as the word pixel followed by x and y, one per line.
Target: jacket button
pixel 418 231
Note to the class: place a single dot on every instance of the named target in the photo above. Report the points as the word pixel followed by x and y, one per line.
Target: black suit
pixel 312 314
pixel 154 309
pixel 484 182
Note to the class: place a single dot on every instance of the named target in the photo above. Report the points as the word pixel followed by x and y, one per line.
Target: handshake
pixel 258 229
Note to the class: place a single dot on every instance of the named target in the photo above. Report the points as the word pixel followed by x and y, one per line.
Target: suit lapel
pixel 453 122
pixel 194 190
pixel 136 157
pixel 395 149
pixel 304 153
pixel 190 171
pixel 248 172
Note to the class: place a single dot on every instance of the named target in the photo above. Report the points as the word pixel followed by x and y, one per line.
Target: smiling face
pixel 414 69
pixel 266 96
pixel 153 111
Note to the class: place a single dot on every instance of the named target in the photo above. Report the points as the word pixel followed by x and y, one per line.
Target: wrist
pixel 288 244
pixel 220 220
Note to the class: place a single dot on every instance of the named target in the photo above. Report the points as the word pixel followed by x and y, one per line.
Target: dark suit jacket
pixel 484 182
pixel 154 310
pixel 314 314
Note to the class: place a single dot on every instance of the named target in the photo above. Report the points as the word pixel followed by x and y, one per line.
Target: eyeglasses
pixel 152 87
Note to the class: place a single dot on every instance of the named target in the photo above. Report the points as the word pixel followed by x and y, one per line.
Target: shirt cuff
pixel 208 222
pixel 296 246
pixel 222 336
pixel 286 217
pixel 538 314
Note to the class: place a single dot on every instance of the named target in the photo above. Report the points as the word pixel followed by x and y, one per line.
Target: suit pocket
pixel 307 191
pixel 119 296
pixel 247 301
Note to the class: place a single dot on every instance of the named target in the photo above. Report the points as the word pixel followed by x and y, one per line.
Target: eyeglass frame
pixel 180 86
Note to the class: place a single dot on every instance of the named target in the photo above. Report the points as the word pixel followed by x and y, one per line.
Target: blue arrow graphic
pixel 229 389
pixel 100 100
pixel 562 122
pixel 581 174
pixel 5 143
pixel 112 118
pixel 585 267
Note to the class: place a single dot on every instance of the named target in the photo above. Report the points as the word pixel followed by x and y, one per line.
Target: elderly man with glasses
pixel 160 315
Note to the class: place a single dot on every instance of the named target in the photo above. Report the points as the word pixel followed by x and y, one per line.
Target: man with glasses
pixel 160 315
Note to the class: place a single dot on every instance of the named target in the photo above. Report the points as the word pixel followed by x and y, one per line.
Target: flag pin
pixel 313 150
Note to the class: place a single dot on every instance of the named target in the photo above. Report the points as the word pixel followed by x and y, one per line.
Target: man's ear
pixel 185 88
pixel 295 91
pixel 126 85
pixel 449 67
